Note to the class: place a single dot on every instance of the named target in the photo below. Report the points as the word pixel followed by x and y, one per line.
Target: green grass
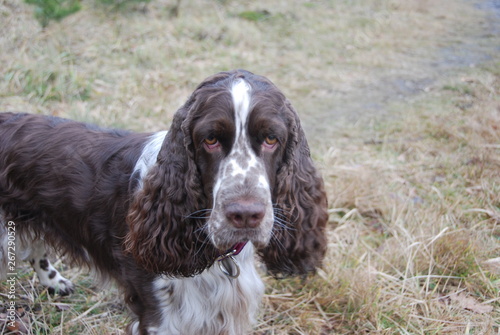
pixel 252 15
pixel 47 10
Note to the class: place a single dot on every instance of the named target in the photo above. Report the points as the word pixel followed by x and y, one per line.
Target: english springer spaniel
pixel 175 218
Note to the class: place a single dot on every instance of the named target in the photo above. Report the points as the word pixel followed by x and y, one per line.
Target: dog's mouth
pixel 230 239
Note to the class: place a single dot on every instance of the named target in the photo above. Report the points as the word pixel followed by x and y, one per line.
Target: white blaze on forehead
pixel 241 100
pixel 240 93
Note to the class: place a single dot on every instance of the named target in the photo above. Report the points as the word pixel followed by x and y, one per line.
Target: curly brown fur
pixel 299 244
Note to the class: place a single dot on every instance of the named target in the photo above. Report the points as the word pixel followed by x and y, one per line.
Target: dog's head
pixel 234 167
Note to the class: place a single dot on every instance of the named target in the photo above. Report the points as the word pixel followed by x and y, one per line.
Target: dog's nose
pixel 243 214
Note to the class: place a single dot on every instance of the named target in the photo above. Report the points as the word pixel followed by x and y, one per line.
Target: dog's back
pixel 49 171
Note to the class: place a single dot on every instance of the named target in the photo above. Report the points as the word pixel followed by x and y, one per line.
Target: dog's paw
pixel 62 287
pixel 52 279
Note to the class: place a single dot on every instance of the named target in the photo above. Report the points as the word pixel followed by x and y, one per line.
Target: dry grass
pixel 417 210
pixel 414 198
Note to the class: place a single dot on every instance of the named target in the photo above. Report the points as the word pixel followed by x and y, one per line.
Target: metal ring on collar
pixel 229 266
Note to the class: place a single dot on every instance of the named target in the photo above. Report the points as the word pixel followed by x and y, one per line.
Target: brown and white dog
pixel 175 218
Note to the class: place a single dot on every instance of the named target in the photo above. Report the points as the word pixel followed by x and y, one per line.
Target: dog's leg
pixel 34 251
pixel 47 274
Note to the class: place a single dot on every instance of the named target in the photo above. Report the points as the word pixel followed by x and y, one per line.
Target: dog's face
pixel 234 167
pixel 239 136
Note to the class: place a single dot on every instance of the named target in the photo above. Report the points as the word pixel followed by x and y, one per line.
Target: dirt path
pixel 368 102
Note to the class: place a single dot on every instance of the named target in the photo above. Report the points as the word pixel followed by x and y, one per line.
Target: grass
pixel 414 232
pixel 417 216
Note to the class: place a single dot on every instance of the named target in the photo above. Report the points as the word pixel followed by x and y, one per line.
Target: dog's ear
pixel 163 236
pixel 298 243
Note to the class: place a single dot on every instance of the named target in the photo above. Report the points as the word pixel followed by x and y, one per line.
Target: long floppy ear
pixel 298 243
pixel 163 236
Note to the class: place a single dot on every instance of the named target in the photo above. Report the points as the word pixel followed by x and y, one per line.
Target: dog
pixel 175 217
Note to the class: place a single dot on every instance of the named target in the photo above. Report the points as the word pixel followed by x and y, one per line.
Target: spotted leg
pixel 47 274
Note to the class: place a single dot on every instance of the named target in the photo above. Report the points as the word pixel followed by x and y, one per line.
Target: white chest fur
pixel 210 303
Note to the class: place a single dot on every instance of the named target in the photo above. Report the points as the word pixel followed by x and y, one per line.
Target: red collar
pixel 238 247
pixel 234 251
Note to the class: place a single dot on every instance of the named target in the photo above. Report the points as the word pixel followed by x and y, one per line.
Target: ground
pixel 400 102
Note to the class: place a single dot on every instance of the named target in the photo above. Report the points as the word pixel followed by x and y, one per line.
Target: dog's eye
pixel 211 140
pixel 271 140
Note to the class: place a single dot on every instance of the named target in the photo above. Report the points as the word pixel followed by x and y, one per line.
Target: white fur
pixel 240 93
pixel 210 303
pixel 149 155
